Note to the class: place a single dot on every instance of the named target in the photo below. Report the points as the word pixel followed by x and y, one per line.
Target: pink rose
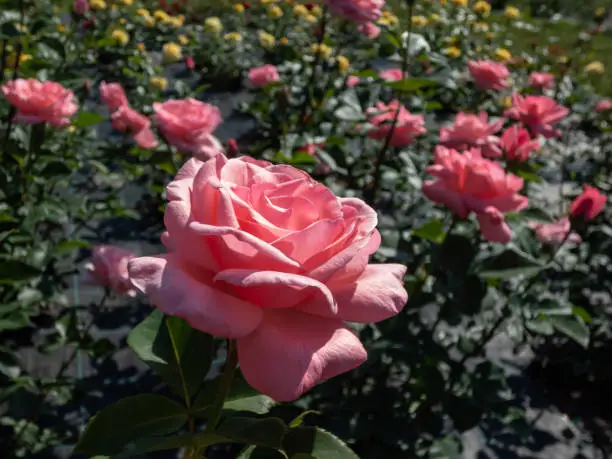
pixel 129 121
pixel 265 255
pixel 472 131
pixel 538 113
pixel 541 80
pixel 358 11
pixel 352 81
pixel 468 183
pixel 516 143
pixel 40 102
pixel 370 30
pixel 188 125
pixel 392 74
pixel 407 127
pixel 489 75
pixel 603 105
pixel 589 204
pixel 263 76
pixel 113 96
pixel 109 269
pixel 189 63
pixel 556 232
pixel 80 7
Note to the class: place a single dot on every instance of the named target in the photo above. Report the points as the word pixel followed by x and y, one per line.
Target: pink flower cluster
pixel 407 126
pixel 359 11
pixel 263 76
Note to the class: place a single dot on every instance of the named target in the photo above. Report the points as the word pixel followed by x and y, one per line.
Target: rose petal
pixel 176 292
pixel 291 352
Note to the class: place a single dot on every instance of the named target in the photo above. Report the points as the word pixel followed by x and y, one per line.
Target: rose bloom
pixel 472 131
pixel 603 105
pixel 40 102
pixel 129 121
pixel 467 182
pixel 538 113
pixel 265 255
pixel 262 76
pixel 392 74
pixel 556 232
pixel 589 204
pixel 370 30
pixel 80 7
pixel 352 81
pixel 517 144
pixel 407 127
pixel 113 96
pixel 541 80
pixel 108 268
pixel 188 125
pixel 489 75
pixel 358 11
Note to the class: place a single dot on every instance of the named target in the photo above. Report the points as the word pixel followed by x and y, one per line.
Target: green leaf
pixel 55 168
pixel 433 231
pixel 552 307
pixel 297 422
pixel 348 113
pixel 129 420
pixel 259 452
pixel 268 432
pixel 582 313
pixel 71 245
pixel 316 442
pixel 573 327
pixel 368 73
pixel 15 270
pixel 507 264
pixel 179 354
pixel 14 321
pixel 536 215
pixel 410 84
pixel 86 119
pixel 149 445
pixel 540 326
pixel 301 157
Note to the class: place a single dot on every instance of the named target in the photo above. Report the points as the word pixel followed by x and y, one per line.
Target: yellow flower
pixel 460 2
pixel 213 25
pixel 125 2
pixel 316 10
pixel 176 21
pixel 322 49
pixel 419 20
pixel 300 11
pixel 452 51
pixel 506 102
pixel 141 47
pixel 434 18
pixel 161 15
pixel 502 54
pixel 600 12
pixel 311 18
pixel 122 21
pixel 343 63
pixel 491 35
pixel 142 12
pixel 71 129
pixel 595 68
pixel 275 12
pixel 120 37
pixel 11 60
pixel 443 2
pixel 239 8
pixel 266 40
pixel 562 60
pixel 512 12
pixel 61 28
pixel 158 83
pixel 21 28
pixel 482 7
pixel 97 5
pixel 172 52
pixel 149 22
pixel 284 41
pixel 233 37
pixel 183 40
pixel 481 26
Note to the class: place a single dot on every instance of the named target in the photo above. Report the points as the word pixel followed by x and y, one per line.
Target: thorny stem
pixel 380 157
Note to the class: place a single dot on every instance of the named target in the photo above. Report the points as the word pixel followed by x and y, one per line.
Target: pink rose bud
pixel 556 232
pixel 113 96
pixel 189 62
pixel 108 268
pixel 352 81
pixel 589 204
pixel 131 122
pixel 266 255
pixel 466 182
pixel 262 76
pixel 517 144
pixel 232 148
pixel 40 102
pixel 473 131
pixel 359 11
pixel 392 74
pixel 370 30
pixel 539 80
pixel 489 75
pixel 604 105
pixel 407 127
pixel 188 125
pixel 538 113
pixel 80 7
